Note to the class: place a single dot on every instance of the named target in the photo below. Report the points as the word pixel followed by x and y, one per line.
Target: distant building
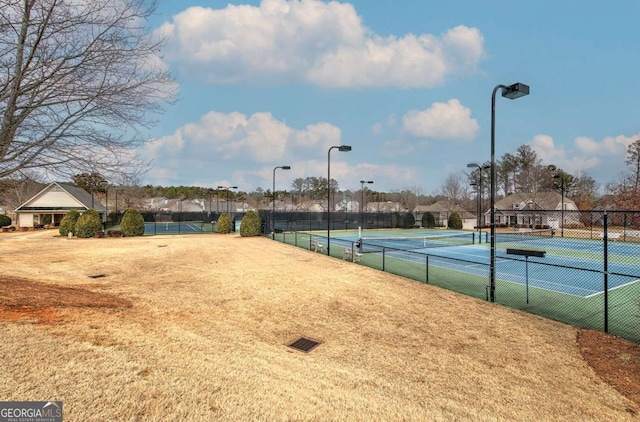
pixel 387 206
pixel 49 206
pixel 441 211
pixel 540 209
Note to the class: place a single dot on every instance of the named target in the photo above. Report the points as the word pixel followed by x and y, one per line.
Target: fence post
pixel 606 274
pixel 427 269
pixel 383 250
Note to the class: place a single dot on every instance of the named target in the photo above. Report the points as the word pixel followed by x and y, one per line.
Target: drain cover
pixel 304 344
pixel 97 276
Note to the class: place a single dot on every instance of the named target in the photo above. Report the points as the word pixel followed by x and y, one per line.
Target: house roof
pixel 442 206
pixel 528 201
pixel 61 197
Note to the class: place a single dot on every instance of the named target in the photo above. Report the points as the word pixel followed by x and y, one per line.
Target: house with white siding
pixel 49 206
pixel 541 209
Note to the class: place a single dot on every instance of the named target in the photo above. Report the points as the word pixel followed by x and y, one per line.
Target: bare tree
pixel 17 189
pixel 633 161
pixel 584 191
pixel 79 82
pixel 455 188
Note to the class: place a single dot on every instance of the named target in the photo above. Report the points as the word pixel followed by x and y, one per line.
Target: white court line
pixel 545 282
pixel 617 287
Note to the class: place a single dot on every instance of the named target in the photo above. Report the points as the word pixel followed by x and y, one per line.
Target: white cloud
pixel 257 138
pixel 546 150
pixel 449 121
pixel 312 41
pixel 568 160
pixel 610 145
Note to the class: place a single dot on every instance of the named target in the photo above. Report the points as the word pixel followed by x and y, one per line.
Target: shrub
pixel 428 221
pixel 68 222
pixel 112 219
pixel 88 224
pixel 409 221
pixel 395 220
pixel 132 223
pixel 455 222
pixel 4 220
pixel 250 225
pixel 224 224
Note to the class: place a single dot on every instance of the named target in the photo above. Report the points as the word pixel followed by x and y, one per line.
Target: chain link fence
pixel 580 268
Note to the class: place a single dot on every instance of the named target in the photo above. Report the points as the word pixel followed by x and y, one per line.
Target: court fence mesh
pixel 165 222
pixel 585 272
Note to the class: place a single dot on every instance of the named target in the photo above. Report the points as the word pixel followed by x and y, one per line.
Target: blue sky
pixel 406 83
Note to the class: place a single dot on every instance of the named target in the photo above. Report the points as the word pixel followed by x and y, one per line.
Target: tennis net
pixel 522 236
pixel 378 244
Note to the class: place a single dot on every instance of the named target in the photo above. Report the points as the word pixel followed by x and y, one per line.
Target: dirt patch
pixel 32 300
pixel 615 360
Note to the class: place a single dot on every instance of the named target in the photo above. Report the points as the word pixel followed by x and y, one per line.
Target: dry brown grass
pixel 197 327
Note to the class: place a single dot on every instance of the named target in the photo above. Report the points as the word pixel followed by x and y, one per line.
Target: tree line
pixel 518 172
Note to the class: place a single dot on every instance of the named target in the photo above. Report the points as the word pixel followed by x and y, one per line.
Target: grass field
pixel 196 328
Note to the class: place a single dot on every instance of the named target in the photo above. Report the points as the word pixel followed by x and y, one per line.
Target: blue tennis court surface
pixel 177 227
pixel 584 279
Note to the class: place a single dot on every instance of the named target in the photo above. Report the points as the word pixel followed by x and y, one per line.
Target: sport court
pixel 571 266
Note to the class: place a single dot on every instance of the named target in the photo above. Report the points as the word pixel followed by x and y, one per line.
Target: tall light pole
pixel 559 176
pixel 362 182
pixel 512 92
pixel 480 219
pixel 273 213
pixel 474 184
pixel 226 188
pixel 117 201
pixel 210 192
pixel 341 148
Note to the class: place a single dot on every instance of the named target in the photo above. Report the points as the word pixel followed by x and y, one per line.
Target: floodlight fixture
pixel 515 91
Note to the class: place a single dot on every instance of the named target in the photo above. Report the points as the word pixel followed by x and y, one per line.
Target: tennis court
pixel 178 227
pixel 570 266
pixel 567 284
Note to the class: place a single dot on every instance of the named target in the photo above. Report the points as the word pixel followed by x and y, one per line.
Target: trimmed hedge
pixel 68 222
pixel 88 224
pixel 132 223
pixel 250 225
pixel 455 222
pixel 409 221
pixel 428 221
pixel 224 224
pixel 4 220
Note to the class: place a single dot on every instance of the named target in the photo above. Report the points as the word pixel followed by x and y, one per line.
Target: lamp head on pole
pixel 516 90
pixel 472 165
pixel 344 148
pixel 286 167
